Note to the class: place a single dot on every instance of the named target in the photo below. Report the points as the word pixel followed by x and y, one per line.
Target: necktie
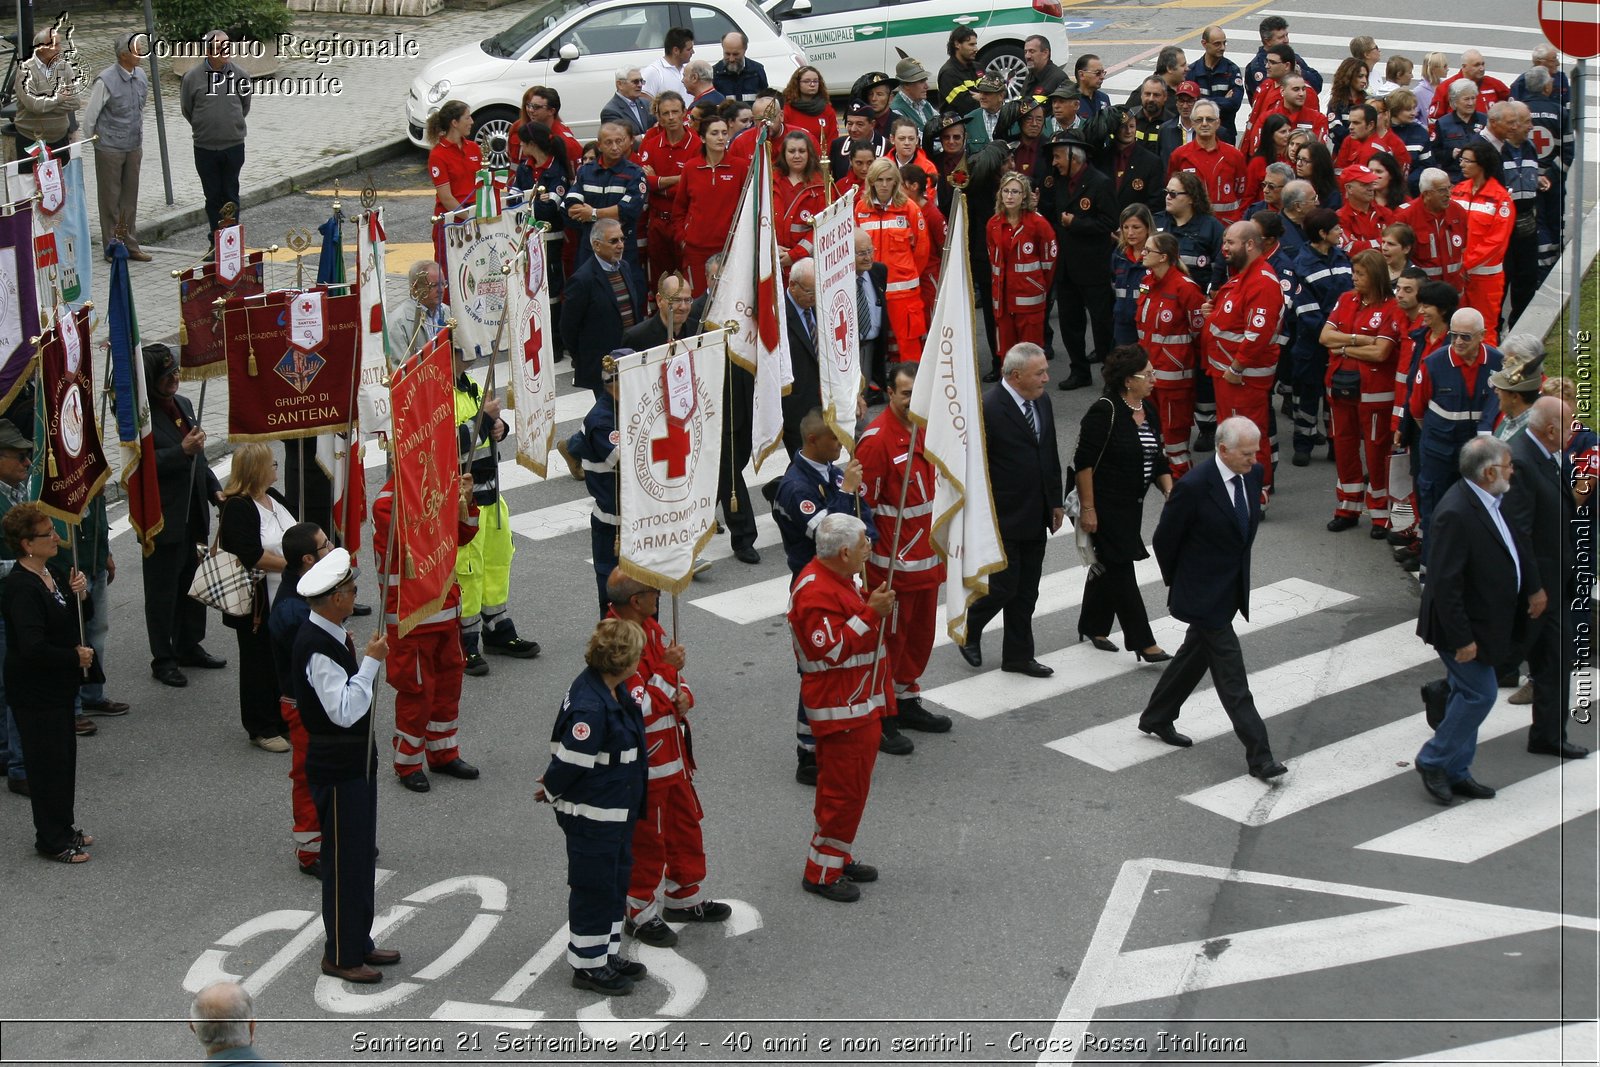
pixel 1033 421
pixel 863 309
pixel 1241 510
pixel 811 322
pixel 350 642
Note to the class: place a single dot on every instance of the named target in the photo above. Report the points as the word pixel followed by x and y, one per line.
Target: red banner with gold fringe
pixel 427 481
pixel 277 389
pixel 200 352
pixel 75 465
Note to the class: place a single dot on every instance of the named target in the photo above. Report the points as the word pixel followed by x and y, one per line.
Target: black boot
pixel 893 742
pixel 806 771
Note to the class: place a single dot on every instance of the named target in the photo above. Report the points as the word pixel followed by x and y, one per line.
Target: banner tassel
pixel 50 462
pixel 250 364
pixel 411 565
pixel 183 334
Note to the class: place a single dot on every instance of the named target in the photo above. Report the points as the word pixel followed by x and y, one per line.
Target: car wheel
pixel 1006 61
pixel 491 128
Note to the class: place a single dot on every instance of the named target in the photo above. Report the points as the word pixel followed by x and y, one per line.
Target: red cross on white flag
pixel 305 321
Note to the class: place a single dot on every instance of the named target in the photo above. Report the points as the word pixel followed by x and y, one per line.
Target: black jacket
pixel 186 494
pixel 1144 182
pixel 239 532
pixel 1539 508
pixel 1473 593
pixel 591 324
pixel 1108 444
pixel 806 392
pixel 1204 559
pixel 1085 245
pixel 1024 471
pixel 41 664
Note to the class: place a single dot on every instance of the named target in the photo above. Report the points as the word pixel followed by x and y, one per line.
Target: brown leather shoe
pixel 139 255
pixel 360 973
pixel 383 957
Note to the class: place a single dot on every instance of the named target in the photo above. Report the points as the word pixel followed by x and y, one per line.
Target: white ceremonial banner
pixel 532 358
pixel 833 238
pixel 749 293
pixel 669 414
pixel 947 406
pixel 372 400
pixel 477 251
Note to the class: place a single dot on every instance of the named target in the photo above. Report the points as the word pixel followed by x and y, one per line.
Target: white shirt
pixel 1227 481
pixel 1022 406
pixel 275 522
pixel 661 76
pixel 1492 503
pixel 345 697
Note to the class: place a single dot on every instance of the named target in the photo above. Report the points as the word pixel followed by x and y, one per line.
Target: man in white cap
pixel 334 695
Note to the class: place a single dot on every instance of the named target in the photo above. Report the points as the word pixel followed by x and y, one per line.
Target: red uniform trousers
pixel 908 322
pixel 424 668
pixel 844 776
pixel 307 828
pixel 1254 402
pixel 1016 327
pixel 693 264
pixel 909 640
pixel 1360 434
pixel 1484 294
pixel 669 855
pixel 1175 409
pixel 661 249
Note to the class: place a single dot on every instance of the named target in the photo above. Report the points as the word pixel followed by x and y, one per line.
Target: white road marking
pixel 477 932
pixel 551 951
pixel 460 1011
pixel 1118 745
pixel 1343 767
pixel 749 603
pixel 1293 37
pixel 1058 591
pixel 557 520
pixel 995 692
pixel 1474 829
pixel 1574 1044
pixel 491 892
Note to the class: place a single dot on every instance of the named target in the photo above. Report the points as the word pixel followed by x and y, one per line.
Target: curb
pixel 1562 283
pixel 164 226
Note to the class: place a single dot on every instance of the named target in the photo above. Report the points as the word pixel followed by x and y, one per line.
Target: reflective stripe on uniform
pixel 589 811
pixel 905 565
pixel 848 711
pixel 1453 416
pixel 443 615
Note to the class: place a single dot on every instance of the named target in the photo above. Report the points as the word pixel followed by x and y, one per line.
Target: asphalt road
pixel 1047 872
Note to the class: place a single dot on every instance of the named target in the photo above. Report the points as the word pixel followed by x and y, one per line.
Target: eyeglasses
pixel 1172 193
pixel 635 81
pixel 1454 336
pixel 1148 376
pixel 543 107
pixel 1096 71
pixel 1198 119
pixel 38 536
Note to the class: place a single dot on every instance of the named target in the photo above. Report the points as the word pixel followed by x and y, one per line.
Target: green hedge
pixel 189 20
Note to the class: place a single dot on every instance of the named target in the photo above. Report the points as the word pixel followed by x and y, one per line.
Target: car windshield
pixel 762 16
pixel 512 40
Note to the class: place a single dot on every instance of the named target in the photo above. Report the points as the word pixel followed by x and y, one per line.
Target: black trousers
pixel 50 747
pixel 740 521
pixel 306 487
pixel 1552 678
pixel 1013 591
pixel 219 169
pixel 1115 592
pixel 175 621
pixel 1522 270
pixel 258 684
pixel 1084 307
pixel 348 813
pixel 1217 651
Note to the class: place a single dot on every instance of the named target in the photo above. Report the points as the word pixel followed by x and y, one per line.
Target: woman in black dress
pixel 45 663
pixel 1119 455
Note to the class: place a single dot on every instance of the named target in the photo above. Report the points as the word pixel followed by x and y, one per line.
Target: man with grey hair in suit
pixel 115 115
pixel 223 1017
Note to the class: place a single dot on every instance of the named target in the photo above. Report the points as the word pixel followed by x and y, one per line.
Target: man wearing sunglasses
pixel 628 106
pixel 1220 165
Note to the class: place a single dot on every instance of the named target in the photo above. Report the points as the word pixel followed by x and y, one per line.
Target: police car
pixel 576 47
pixel 845 39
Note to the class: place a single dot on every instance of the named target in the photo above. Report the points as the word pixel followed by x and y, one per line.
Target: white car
pixel 575 47
pixel 847 38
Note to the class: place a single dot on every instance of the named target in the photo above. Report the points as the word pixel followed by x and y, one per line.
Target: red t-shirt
pixel 1349 315
pixel 455 166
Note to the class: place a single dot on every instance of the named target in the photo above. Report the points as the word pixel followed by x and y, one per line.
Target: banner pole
pixel 1575 285
pixel 199 417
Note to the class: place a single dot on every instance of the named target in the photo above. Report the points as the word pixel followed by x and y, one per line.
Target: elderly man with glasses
pixel 1220 166
pixel 628 106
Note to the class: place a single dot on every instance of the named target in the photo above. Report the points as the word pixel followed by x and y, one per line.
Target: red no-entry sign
pixel 1572 26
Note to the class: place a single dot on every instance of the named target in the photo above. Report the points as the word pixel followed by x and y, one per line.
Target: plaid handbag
pixel 223 582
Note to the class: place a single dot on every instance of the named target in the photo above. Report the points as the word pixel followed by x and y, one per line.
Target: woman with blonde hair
pixel 254 519
pixel 900 242
pixel 596 782
pixel 1435 68
pixel 1022 263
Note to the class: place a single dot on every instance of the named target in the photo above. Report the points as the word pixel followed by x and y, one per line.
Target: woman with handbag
pixel 46 661
pixel 1119 455
pixel 254 519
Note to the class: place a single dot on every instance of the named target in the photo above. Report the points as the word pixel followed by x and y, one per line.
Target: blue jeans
pixel 1473 687
pixel 10 741
pixel 95 627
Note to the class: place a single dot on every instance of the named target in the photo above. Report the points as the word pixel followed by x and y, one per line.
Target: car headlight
pixel 438 90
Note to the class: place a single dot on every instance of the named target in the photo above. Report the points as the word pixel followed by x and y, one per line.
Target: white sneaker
pixel 270 744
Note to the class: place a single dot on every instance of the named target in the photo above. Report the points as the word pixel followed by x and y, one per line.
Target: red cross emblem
pixel 228 240
pixel 534 344
pixel 305 305
pixel 673 450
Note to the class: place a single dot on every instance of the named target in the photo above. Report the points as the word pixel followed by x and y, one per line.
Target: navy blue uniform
pixel 1200 249
pixel 622 187
pixel 596 782
pixel 1223 86
pixel 1256 71
pixel 1450 136
pixel 1319 282
pixel 1126 274
pixel 1453 417
pixel 595 446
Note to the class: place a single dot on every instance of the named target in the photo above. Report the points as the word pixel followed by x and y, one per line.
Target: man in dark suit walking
pixel 603 300
pixel 1482 577
pixel 1203 545
pixel 806 392
pixel 872 317
pixel 1539 508
pixel 175 621
pixel 1019 429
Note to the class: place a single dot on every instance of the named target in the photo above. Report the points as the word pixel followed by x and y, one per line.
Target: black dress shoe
pixel 457 768
pixel 1098 642
pixel 1169 735
pixel 199 657
pixel 1435 697
pixel 1301 459
pixel 972 652
pixel 1076 380
pixel 1033 669
pixel 19 786
pixel 416 781
pixel 361 611
pixel 842 890
pixel 104 707
pixel 1566 750
pixel 1206 441
pixel 1270 769
pixel 1340 523
pixel 747 554
pixel 170 676
pixel 992 377
pixel 1471 788
pixel 382 957
pixel 314 868
pixel 805 771
pixel 1437 785
pixel 1378 533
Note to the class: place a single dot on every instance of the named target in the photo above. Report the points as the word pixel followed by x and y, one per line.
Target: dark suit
pixel 1474 594
pixel 652 332
pixel 1539 508
pixel 875 353
pixel 591 321
pixel 176 622
pixel 1144 182
pixel 634 114
pixel 1025 478
pixel 1204 555
pixel 806 392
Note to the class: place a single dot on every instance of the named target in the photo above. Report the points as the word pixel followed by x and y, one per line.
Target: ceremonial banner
pixel 947 407
pixel 339 456
pixel 477 251
pixel 749 293
pixel 227 244
pixel 69 228
pixel 833 237
pixel 75 467
pixel 669 409
pixel 291 369
pixel 427 481
pixel 19 306
pixel 373 399
pixel 532 361
pixel 139 479
pixel 199 332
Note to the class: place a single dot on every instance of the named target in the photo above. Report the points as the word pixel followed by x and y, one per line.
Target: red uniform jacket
pixel 1307 118
pixel 937 229
pixel 1170 323
pixel 561 130
pixel 882 450
pixel 382 511
pixel 455 167
pixel 1490 217
pixel 1363 229
pixel 1382 320
pixel 654 687
pixel 1490 91
pixel 668 161
pixel 899 242
pixel 1244 319
pixel 1022 263
pixel 1222 170
pixel 835 636
pixel 792 208
pixel 702 210
pixel 1441 240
